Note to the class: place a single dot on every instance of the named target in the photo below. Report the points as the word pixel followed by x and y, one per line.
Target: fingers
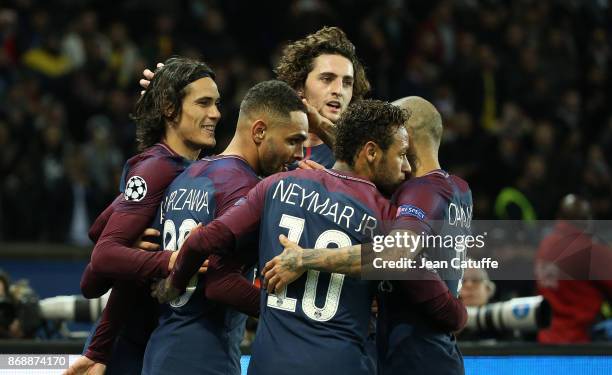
pixel 271 287
pixel 203 267
pixel 284 241
pixel 280 285
pixel 144 83
pixel 268 267
pixel 148 74
pixel 172 260
pixel 313 164
pixel 308 106
pixel 303 165
pixel 159 65
pixel 148 246
pixel 150 232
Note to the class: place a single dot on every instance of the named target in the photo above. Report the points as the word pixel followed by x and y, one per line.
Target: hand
pixel 148 76
pixel 309 164
pixel 85 366
pixel 319 125
pixel 175 254
pixel 145 245
pixel 164 291
pixel 284 268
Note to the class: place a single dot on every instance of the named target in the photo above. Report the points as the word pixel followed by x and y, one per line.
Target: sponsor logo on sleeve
pixel 408 210
pixel 135 189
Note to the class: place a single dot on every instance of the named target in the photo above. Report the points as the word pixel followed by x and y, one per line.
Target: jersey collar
pixel 348 176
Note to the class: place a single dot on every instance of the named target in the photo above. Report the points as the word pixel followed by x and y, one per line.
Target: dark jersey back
pixel 437 205
pixel 196 335
pixel 320 322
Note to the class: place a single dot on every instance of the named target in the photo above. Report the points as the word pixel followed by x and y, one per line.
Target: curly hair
pixel 364 121
pixel 163 99
pixel 298 59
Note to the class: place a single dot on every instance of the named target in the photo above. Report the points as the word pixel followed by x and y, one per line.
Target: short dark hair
pixel 163 99
pixel 273 97
pixel 364 121
pixel 298 59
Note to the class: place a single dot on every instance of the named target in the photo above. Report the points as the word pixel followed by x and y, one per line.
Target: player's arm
pixel 430 294
pixel 217 237
pixel 96 229
pixel 114 257
pixel 110 324
pixel 350 260
pixel 225 283
pixel 94 285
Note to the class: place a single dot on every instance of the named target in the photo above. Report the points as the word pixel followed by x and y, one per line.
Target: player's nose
pixel 214 113
pixel 298 153
pixel 406 168
pixel 336 87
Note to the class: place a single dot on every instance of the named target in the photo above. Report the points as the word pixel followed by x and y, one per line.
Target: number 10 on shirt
pixel 281 301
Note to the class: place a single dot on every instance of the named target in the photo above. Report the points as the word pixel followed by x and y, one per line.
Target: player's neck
pixel 426 165
pixel 238 147
pixel 341 166
pixel 181 147
pixel 312 140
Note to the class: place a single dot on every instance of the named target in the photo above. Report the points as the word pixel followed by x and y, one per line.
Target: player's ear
pixel 371 150
pixel 300 92
pixel 490 285
pixel 258 131
pixel 169 113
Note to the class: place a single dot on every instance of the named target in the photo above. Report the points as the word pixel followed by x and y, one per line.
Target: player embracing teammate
pixel 329 80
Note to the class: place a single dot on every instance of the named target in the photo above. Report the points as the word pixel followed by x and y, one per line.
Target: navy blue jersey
pixel 322 154
pixel 196 335
pixel 434 204
pixel 319 324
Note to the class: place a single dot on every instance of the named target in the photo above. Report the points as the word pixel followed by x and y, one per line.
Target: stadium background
pixel 523 86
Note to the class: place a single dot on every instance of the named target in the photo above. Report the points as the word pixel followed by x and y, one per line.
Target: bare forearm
pixel 346 260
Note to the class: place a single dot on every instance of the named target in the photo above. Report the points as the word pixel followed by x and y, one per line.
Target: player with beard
pixel 417 317
pixel 195 334
pixel 341 206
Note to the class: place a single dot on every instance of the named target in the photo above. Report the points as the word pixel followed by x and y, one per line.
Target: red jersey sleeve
pixel 417 204
pixel 220 234
pixel 113 255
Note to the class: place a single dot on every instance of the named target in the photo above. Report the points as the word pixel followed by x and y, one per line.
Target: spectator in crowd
pixel 523 82
pixel 569 271
pixel 477 289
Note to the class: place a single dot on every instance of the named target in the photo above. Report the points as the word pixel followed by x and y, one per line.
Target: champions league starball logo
pixel 135 189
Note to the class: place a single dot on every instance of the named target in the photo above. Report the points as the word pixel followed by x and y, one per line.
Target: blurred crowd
pixel 523 86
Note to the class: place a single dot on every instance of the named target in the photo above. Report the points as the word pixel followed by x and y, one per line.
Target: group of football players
pixel 219 217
